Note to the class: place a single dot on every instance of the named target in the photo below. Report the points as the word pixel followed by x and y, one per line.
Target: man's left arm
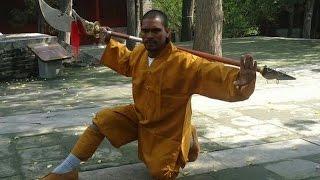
pixel 218 81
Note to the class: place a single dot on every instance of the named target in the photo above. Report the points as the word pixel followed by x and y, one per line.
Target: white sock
pixel 70 163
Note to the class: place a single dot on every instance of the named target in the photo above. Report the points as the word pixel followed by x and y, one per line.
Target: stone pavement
pixel 273 135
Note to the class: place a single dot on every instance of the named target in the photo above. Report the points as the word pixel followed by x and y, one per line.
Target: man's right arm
pixel 116 56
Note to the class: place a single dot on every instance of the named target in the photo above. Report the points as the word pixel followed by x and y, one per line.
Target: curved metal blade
pixel 269 73
pixel 57 19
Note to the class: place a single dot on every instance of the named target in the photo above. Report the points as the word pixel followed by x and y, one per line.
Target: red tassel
pixel 80 27
pixel 75 38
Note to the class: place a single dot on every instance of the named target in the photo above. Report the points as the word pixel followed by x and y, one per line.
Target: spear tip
pixel 270 73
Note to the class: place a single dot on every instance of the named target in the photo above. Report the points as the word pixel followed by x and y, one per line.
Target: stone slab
pixel 38 169
pixel 239 141
pixel 245 121
pixel 244 173
pixel 129 172
pixel 219 160
pixel 295 169
pixel 46 122
pixel 7 168
pixel 313 139
pixel 221 131
pixel 258 154
pixel 35 155
pixel 4 147
pixel 205 163
pixel 265 130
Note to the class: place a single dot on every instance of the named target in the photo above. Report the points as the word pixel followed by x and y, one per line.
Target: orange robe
pixel 162 96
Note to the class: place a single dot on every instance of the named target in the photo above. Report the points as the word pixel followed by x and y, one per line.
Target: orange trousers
pixel 120 126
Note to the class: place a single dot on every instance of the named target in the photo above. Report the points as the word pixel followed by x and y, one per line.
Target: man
pixel 164 79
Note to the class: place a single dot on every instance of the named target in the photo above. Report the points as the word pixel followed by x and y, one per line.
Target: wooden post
pixel 97 10
pixel 131 22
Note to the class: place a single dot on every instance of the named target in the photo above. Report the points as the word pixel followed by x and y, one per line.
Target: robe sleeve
pixel 215 80
pixel 117 57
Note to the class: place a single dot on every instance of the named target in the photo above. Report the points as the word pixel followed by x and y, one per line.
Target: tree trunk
pixel 131 22
pixel 145 6
pixel 316 19
pixel 208 26
pixel 138 12
pixel 187 20
pixel 40 20
pixel 307 19
pixel 65 6
pixel 291 18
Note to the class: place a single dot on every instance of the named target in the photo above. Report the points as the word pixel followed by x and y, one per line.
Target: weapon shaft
pixel 266 72
pixel 207 56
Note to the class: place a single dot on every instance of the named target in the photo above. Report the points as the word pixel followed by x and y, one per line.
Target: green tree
pixel 173 9
pixel 306 33
pixel 20 17
pixel 244 17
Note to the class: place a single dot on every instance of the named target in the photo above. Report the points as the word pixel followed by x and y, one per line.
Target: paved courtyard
pixel 273 135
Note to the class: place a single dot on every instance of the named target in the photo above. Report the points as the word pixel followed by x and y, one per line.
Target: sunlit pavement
pixel 272 135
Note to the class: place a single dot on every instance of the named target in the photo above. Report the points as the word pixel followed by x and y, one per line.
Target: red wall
pixel 111 13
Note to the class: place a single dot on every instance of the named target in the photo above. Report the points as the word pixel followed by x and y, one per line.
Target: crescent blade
pixel 55 18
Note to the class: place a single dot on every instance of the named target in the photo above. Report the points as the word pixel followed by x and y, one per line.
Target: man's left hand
pixel 247 73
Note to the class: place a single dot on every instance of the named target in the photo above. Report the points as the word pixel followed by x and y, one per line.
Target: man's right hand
pixel 104 35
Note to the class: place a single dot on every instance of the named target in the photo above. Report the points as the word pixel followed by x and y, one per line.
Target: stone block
pixel 295 169
pixel 7 168
pixel 38 169
pixel 32 155
pixel 221 131
pixel 266 130
pixel 264 153
pixel 204 164
pixel 14 50
pixel 245 121
pixel 4 147
pixel 313 139
pixel 42 140
pixel 130 172
pixel 239 141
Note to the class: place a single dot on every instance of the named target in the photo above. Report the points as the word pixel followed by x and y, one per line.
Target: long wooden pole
pixel 266 72
pixel 197 53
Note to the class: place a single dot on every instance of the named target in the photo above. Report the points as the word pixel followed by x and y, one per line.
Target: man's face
pixel 154 34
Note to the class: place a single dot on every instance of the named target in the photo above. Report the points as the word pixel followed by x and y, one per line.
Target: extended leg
pixel 83 150
pixel 118 125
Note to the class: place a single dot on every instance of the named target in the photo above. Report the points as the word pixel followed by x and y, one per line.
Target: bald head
pixel 152 14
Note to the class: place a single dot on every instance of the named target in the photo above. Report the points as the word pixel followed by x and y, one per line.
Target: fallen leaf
pixel 250 161
pixel 185 173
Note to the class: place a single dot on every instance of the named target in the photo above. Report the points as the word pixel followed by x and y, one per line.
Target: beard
pixel 151 45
